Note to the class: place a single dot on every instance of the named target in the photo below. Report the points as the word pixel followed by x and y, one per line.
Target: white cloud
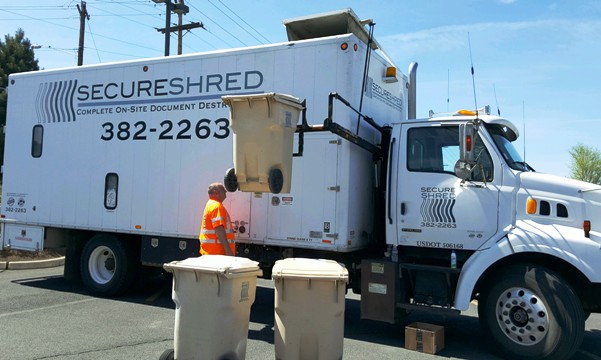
pixel 447 38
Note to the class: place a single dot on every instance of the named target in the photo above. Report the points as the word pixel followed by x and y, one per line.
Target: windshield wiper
pixel 524 165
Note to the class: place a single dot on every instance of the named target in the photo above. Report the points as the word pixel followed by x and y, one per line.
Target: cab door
pixel 436 208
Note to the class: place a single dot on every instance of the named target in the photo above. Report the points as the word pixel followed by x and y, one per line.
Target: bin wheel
pixel 230 181
pixel 276 180
pixel 167 355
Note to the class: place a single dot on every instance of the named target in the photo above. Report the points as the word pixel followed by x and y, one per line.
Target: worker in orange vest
pixel 216 232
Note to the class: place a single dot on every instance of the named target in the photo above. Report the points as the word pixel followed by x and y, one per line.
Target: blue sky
pixel 537 61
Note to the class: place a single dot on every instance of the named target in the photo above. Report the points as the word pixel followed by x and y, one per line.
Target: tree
pixel 586 163
pixel 16 55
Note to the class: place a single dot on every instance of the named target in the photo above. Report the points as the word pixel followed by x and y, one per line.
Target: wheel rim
pixel 522 316
pixel 102 265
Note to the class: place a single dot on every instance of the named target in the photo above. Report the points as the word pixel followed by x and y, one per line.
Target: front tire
pixel 531 313
pixel 108 265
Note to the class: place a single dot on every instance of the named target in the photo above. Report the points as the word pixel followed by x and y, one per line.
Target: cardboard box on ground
pixel 423 337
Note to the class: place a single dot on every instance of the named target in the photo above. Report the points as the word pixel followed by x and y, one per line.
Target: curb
pixel 34 264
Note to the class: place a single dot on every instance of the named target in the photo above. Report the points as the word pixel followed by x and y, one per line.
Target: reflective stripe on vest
pixel 216 241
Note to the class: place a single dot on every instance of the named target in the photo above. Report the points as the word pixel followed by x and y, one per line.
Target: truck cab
pixel 467 219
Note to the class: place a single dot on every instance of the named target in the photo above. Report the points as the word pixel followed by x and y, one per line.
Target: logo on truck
pixel 437 207
pixel 375 91
pixel 54 101
pixel 63 101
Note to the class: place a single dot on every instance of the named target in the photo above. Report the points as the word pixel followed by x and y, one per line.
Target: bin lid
pixel 271 96
pixel 229 266
pixel 302 268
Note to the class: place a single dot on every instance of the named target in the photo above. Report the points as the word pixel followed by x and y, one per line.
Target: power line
pixel 37 19
pixel 93 40
pixel 205 40
pixel 239 17
pixel 219 38
pixel 235 22
pixel 75 29
pixel 154 15
pixel 121 16
pixel 221 27
pixel 35 7
pixel 134 12
pixel 116 53
pixel 68 51
pixel 56 18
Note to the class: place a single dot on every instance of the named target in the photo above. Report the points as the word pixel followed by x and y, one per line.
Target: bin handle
pixel 250 105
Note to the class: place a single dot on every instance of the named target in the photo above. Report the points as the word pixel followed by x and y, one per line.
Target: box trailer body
pixel 130 148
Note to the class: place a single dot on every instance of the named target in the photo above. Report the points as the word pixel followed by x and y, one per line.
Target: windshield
pixel 510 154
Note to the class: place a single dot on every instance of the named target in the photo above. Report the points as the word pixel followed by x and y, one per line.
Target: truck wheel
pixel 230 181
pixel 276 180
pixel 108 266
pixel 532 313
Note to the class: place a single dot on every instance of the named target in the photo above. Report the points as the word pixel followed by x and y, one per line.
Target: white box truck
pixel 426 214
pixel 117 158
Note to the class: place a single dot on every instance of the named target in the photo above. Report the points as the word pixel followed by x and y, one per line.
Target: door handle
pixel 403 208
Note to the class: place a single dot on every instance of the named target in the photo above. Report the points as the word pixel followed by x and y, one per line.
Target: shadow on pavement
pixel 462 333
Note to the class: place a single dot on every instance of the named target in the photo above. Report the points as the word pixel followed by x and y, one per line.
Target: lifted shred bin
pixel 213 295
pixel 309 308
pixel 263 126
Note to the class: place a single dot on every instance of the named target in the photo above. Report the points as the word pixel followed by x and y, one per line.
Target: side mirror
pixel 467 137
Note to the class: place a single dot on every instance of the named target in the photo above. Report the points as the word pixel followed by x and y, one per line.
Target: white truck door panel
pixel 436 209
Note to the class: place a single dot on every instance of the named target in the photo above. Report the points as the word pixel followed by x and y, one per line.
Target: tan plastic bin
pixel 263 126
pixel 309 309
pixel 213 295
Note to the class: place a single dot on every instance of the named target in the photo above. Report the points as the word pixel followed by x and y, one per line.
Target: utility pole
pixel 83 15
pixel 180 35
pixel 180 9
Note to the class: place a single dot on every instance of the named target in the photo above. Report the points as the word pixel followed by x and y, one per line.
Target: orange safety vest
pixel 215 215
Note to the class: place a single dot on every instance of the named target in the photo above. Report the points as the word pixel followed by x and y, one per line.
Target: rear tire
pixel 531 313
pixel 108 265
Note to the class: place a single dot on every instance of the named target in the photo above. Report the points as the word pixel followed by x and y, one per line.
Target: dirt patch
pixel 21 255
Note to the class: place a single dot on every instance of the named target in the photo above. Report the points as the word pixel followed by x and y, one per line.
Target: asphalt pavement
pixel 43 317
